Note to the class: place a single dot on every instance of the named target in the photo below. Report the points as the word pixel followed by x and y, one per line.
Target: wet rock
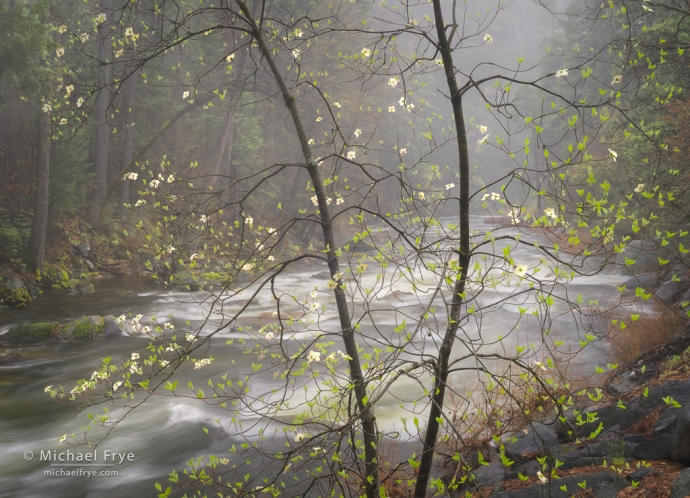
pixel 607 415
pixel 681 486
pixel 56 277
pixel 13 293
pixel 642 406
pixel 89 327
pixel 33 331
pixel 87 289
pixel 83 249
pixel 669 290
pixel 531 441
pixel 603 485
pixel 666 423
pixel 12 356
pixel 89 265
pixel 639 474
pixel 3 307
pixel 530 468
pixel 615 448
pixel 488 476
pixel 645 253
pixel 658 448
pixel 681 437
pixel 322 275
pixel 647 281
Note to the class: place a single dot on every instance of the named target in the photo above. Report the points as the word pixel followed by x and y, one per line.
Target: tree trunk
pixel 130 100
pixel 101 118
pixel 227 136
pixel 441 370
pixel 372 482
pixel 39 224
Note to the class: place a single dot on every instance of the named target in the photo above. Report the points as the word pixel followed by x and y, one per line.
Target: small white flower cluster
pixel 199 364
pixel 494 196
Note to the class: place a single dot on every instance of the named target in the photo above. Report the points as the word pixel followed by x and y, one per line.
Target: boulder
pixel 243 302
pixel 12 290
pixel 87 289
pixel 669 290
pixel 639 474
pixel 90 327
pixel 681 486
pixel 33 331
pixel 681 437
pixel 608 415
pixel 657 448
pixel 89 265
pixel 666 423
pixel 615 448
pixel 12 356
pixel 602 485
pixel 56 276
pixel 530 441
pixel 647 281
pixel 645 253
pixel 322 275
pixel 487 476
pixel 397 295
pixel 83 249
pixel 642 406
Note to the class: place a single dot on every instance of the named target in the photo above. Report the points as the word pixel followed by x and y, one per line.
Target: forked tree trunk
pixel 39 223
pixel 441 370
pixel 369 434
pixel 101 117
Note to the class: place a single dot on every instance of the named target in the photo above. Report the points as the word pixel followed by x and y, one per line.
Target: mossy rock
pixel 33 331
pixel 84 328
pixel 57 276
pixel 12 290
pixel 90 327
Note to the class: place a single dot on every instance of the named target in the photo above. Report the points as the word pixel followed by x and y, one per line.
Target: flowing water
pixel 167 432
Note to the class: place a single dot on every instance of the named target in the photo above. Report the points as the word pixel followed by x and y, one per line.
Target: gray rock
pixel 645 253
pixel 530 468
pixel 603 485
pixel 33 331
pixel 87 289
pixel 531 440
pixel 487 476
pixel 83 249
pixel 666 423
pixel 642 406
pixel 639 474
pixel 681 486
pixel 681 437
pixel 608 415
pixel 243 302
pixel 670 290
pixel 112 328
pixel 647 281
pixel 89 265
pixel 615 448
pixel 12 356
pixel 89 327
pixel 13 293
pixel 322 275
pixel 658 448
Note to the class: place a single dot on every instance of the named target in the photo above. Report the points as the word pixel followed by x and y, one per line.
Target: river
pixel 167 432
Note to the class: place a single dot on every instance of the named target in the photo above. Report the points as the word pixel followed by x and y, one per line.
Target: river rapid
pixel 166 432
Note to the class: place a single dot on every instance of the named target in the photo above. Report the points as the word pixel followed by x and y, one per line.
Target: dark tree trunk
pixel 438 392
pixel 39 224
pixel 101 118
pixel 130 101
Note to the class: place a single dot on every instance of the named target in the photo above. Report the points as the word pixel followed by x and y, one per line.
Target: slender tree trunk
pixel 441 370
pixel 39 224
pixel 227 136
pixel 101 117
pixel 130 100
pixel 369 433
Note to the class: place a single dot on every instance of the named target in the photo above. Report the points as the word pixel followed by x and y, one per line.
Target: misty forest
pixel 348 248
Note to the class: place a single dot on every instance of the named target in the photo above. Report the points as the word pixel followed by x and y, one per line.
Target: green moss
pixel 33 330
pixel 88 327
pixel 13 293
